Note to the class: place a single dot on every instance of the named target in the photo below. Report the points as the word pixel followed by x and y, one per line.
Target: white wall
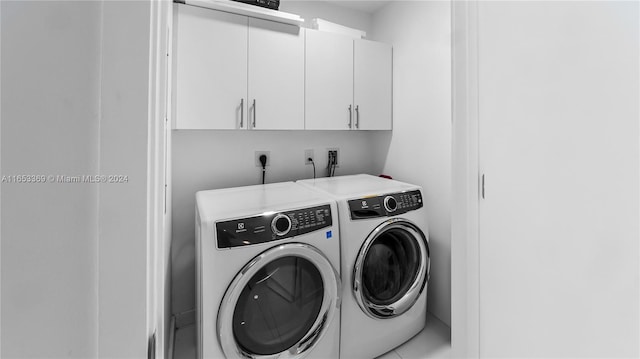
pixel 205 160
pixel 50 118
pixel 559 95
pixel 420 148
pixel 310 9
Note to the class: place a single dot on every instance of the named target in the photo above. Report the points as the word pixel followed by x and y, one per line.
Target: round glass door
pixel 279 304
pixel 392 269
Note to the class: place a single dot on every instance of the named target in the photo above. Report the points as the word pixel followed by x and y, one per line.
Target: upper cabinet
pixel 210 69
pixel 276 75
pixel 348 83
pixel 372 85
pixel 236 72
pixel 329 81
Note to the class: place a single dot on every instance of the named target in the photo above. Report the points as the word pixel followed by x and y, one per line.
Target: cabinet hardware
pixel 357 116
pixel 254 113
pixel 350 116
pixel 241 112
pixel 482 186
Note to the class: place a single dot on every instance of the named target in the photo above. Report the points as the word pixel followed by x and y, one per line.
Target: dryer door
pixel 391 269
pixel 280 304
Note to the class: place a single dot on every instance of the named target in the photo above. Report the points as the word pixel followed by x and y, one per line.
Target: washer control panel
pixel 386 205
pixel 272 226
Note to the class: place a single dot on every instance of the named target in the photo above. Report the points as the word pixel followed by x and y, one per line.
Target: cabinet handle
pixel 350 116
pixel 254 113
pixel 241 112
pixel 357 117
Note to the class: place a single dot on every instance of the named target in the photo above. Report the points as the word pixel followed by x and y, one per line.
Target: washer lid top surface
pixel 357 185
pixel 250 200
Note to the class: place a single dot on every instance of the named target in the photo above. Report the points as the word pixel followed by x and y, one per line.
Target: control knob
pixel 390 204
pixel 281 224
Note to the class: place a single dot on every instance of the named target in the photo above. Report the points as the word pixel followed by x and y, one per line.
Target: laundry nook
pixel 319 179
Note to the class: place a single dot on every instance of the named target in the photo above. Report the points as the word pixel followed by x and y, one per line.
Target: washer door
pixel 391 269
pixel 280 304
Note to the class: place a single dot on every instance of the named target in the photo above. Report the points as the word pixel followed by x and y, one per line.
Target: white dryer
pixel 267 273
pixel 385 261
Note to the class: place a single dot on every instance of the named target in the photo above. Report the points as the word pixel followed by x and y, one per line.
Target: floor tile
pixel 433 342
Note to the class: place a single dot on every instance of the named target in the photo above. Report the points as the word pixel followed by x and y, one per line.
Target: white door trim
pixel 158 313
pixel 465 278
pixel 156 178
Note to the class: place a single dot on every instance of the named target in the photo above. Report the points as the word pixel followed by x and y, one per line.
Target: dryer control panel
pixel 386 205
pixel 272 226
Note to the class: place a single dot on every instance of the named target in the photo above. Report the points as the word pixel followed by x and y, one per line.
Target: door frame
pixel 465 279
pixel 158 195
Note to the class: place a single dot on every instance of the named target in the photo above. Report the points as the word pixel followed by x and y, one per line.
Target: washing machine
pixel 267 273
pixel 385 261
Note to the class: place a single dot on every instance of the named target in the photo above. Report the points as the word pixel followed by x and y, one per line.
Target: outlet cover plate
pixel 308 154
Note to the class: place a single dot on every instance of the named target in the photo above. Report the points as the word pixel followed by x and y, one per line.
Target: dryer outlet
pixel 260 153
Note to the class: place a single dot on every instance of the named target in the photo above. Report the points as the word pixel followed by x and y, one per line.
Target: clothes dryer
pixel 267 273
pixel 385 261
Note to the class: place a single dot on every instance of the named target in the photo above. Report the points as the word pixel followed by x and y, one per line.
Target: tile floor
pixel 433 342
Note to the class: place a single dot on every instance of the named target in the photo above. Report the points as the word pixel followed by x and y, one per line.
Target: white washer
pixel 267 273
pixel 385 261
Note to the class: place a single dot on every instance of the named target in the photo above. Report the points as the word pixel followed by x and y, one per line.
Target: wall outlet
pixel 333 152
pixel 257 157
pixel 308 154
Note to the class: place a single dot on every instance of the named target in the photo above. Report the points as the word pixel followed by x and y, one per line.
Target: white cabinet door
pixel 276 75
pixel 329 81
pixel 210 69
pixel 348 83
pixel 372 85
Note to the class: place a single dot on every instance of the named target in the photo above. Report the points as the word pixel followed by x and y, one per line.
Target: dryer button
pixel 390 204
pixel 281 225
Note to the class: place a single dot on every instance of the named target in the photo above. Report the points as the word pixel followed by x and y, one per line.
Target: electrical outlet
pixel 308 154
pixel 333 152
pixel 258 154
